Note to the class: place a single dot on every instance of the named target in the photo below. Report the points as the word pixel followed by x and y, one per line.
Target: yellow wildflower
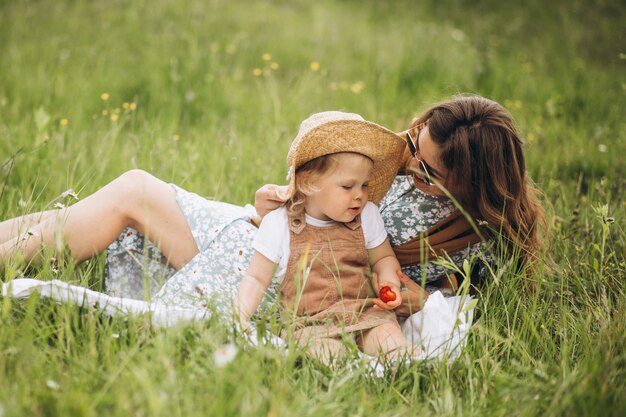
pixel 133 106
pixel 274 65
pixel 528 67
pixel 357 87
pixel 104 96
pixel 257 72
pixel 64 122
pixel 114 117
pixel 126 106
pixel 315 66
pixel 266 57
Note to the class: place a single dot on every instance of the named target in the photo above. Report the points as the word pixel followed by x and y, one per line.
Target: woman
pixel 466 148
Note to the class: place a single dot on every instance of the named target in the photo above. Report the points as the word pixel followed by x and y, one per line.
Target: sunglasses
pixel 414 149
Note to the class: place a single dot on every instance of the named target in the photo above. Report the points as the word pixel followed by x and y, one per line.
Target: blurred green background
pixel 220 87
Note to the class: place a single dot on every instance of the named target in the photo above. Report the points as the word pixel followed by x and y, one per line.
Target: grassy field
pixel 208 94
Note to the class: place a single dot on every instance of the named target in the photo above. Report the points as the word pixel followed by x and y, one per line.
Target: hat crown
pixel 314 121
pixel 319 119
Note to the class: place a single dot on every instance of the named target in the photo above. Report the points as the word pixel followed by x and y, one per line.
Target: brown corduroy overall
pixel 326 286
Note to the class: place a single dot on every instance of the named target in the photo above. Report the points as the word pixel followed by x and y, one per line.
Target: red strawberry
pixel 386 294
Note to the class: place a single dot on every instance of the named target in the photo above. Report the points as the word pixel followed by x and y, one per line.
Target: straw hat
pixel 333 131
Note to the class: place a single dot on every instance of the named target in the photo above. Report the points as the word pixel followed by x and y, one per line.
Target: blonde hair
pixel 305 178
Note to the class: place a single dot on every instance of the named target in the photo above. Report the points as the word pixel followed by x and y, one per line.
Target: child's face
pixel 342 192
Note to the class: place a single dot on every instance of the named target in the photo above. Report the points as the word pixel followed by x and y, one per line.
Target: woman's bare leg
pixel 11 228
pixel 135 199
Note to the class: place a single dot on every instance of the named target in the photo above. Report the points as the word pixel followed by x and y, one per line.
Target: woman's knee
pixel 132 192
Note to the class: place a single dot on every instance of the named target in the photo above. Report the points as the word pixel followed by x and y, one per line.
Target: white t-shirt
pixel 272 240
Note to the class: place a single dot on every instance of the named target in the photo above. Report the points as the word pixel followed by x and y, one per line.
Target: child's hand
pixel 388 296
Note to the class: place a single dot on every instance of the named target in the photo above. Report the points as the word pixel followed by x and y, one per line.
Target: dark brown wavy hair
pixel 482 153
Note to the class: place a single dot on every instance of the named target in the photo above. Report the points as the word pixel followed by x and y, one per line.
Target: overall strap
pixel 297 223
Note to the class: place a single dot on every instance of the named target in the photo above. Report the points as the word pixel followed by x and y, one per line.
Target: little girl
pixel 327 236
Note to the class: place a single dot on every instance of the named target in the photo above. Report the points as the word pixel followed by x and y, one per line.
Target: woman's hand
pixel 413 298
pixel 267 198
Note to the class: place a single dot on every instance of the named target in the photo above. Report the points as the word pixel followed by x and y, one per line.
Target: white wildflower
pixel 457 35
pixel 52 384
pixel 59 206
pixel 602 148
pixel 225 354
pixel 69 193
pixel 115 335
pixel 408 234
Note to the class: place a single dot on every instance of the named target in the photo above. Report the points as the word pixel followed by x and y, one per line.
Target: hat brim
pixel 384 147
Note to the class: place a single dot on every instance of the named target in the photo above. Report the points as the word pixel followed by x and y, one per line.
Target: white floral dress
pixel 224 235
pixel 135 268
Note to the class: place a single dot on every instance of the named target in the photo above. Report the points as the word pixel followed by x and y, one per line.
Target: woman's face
pixel 429 153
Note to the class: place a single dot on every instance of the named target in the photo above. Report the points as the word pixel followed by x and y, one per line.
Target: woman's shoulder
pixel 403 188
pixel 405 197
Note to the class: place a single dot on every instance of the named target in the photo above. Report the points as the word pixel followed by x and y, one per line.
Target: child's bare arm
pixel 385 266
pixel 253 287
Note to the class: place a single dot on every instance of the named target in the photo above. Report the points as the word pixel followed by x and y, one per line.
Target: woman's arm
pixel 385 266
pixel 267 198
pixel 253 287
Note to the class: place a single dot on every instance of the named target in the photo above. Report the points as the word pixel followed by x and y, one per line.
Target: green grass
pixel 205 121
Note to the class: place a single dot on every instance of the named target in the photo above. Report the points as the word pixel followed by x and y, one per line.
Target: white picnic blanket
pixel 440 328
pixel 62 292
